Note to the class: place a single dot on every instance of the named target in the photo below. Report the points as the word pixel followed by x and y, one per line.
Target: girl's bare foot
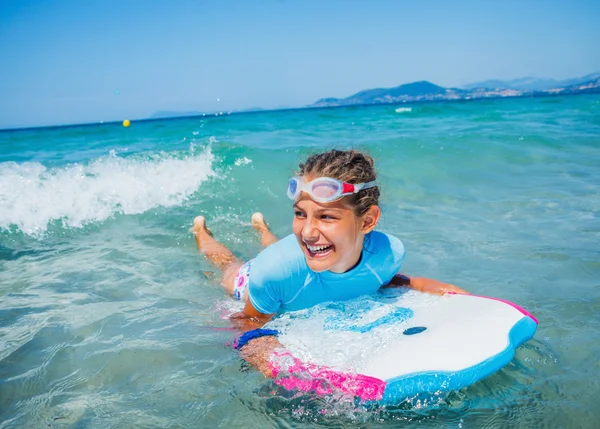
pixel 200 230
pixel 258 223
pixel 266 236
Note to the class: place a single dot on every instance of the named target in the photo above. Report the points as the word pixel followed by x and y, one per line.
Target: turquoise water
pixel 109 317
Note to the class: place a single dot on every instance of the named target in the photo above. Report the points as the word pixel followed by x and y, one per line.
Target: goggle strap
pixel 361 186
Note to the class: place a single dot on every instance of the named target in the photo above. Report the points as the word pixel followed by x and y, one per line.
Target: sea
pixel 111 318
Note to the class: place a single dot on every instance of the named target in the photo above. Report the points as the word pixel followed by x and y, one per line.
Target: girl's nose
pixel 310 233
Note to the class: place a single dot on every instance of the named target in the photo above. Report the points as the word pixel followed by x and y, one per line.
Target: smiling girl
pixel 334 253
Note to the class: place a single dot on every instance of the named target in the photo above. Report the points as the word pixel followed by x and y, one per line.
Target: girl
pixel 333 254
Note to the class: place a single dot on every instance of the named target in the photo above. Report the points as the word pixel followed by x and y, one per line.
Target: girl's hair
pixel 348 166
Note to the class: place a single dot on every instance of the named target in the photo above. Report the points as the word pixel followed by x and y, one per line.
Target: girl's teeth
pixel 317 248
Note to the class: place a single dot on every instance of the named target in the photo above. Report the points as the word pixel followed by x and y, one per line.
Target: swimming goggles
pixel 325 189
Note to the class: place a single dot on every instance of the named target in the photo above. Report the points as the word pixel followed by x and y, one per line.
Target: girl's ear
pixel 370 219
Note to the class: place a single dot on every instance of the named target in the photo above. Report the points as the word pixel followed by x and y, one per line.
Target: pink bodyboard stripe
pixel 322 380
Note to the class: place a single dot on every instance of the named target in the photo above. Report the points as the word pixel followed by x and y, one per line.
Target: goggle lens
pixel 293 188
pixel 325 190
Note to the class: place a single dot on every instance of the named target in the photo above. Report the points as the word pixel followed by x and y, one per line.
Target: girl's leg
pixel 266 236
pixel 216 253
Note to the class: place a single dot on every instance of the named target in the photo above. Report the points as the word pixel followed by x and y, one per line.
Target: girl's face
pixel 330 234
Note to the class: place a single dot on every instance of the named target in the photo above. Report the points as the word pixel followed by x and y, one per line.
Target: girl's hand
pixel 423 284
pixel 258 351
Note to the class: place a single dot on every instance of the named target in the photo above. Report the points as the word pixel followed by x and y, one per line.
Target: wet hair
pixel 348 166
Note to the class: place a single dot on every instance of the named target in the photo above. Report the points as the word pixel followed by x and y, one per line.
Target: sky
pixel 79 61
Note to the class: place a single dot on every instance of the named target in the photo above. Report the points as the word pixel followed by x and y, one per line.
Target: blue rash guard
pixel 280 279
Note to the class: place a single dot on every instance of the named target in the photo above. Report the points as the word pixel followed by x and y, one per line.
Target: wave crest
pixel 32 195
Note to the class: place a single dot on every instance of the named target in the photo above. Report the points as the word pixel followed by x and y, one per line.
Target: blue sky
pixel 67 61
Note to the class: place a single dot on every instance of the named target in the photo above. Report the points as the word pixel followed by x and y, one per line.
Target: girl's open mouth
pixel 321 251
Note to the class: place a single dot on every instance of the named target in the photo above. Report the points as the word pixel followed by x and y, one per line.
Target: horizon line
pixel 250 112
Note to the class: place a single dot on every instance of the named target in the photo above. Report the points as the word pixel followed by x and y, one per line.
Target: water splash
pixel 34 196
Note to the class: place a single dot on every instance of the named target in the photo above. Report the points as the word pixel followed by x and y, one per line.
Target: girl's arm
pixel 423 284
pixel 258 350
pixel 249 318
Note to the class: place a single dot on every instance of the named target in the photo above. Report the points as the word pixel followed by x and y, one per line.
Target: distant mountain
pixel 582 87
pixel 410 91
pixel 530 83
pixel 580 80
pixel 427 91
pixel 524 83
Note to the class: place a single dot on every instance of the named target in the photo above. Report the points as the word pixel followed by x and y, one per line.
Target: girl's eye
pixel 327 217
pixel 298 213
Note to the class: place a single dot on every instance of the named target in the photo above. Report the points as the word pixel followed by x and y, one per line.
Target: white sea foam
pixel 403 109
pixel 32 195
pixel 242 161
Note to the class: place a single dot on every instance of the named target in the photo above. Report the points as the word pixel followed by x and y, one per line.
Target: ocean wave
pixel 33 196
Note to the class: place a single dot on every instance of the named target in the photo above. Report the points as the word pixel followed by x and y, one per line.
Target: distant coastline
pixel 427 91
pixel 424 91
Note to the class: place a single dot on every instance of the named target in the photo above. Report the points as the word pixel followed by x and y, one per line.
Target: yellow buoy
pixel 126 123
